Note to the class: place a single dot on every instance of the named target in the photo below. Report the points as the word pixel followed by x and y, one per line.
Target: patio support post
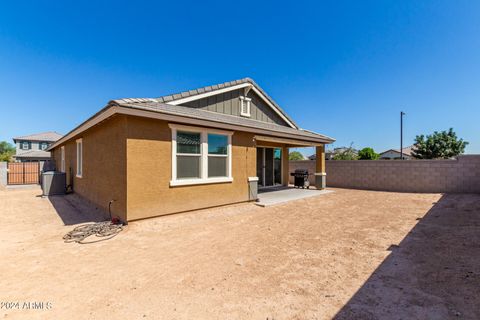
pixel 320 172
pixel 285 168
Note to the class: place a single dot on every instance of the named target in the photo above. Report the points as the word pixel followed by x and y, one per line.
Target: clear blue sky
pixel 342 68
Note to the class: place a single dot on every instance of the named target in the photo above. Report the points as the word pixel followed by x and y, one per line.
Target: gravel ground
pixel 349 254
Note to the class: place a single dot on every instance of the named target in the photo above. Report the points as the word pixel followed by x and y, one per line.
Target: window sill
pixel 78 176
pixel 189 182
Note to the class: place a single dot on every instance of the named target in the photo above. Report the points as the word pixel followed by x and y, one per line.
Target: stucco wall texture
pixel 149 164
pixel 128 159
pixel 445 176
pixel 104 166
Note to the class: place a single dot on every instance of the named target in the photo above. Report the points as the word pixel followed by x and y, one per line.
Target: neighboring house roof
pixel 50 136
pixel 331 152
pixel 407 151
pixel 33 154
pixel 194 94
pixel 154 108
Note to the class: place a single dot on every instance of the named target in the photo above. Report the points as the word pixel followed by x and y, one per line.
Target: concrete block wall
pixel 461 175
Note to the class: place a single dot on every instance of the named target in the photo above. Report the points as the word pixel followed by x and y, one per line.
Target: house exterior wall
pixel 104 165
pixel 149 161
pixel 34 145
pixel 454 176
pixel 229 103
pixel 129 159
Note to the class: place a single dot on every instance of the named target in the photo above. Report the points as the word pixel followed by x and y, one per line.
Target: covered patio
pixel 272 163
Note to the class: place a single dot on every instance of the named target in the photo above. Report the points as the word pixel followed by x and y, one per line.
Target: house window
pixel 43 145
pixel 25 145
pixel 245 106
pixel 217 155
pixel 79 158
pixel 62 159
pixel 189 157
pixel 200 155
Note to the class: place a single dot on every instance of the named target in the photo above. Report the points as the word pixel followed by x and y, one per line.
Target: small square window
pixel 43 145
pixel 245 106
pixel 25 145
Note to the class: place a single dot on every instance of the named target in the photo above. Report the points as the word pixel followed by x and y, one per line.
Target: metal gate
pixel 23 173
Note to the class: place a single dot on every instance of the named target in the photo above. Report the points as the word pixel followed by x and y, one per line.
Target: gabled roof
pixel 169 108
pixel 406 151
pixel 195 94
pixel 43 136
pixel 222 118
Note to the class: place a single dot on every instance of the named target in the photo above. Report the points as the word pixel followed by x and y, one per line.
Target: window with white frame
pixel 25 145
pixel 62 159
pixel 79 158
pixel 217 155
pixel 245 106
pixel 189 155
pixel 43 145
pixel 200 155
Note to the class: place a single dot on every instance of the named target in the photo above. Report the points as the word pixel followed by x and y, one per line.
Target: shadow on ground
pixel 72 209
pixel 434 273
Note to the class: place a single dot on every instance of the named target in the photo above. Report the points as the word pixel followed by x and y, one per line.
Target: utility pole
pixel 401 134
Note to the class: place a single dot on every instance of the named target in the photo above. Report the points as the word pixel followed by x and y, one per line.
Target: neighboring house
pixel 196 149
pixel 329 154
pixel 394 154
pixel 34 147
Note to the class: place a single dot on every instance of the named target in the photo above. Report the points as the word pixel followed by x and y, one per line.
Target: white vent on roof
pixel 245 106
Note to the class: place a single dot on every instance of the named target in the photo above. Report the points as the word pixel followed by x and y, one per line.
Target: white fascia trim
pixel 189 182
pixel 238 86
pixel 209 94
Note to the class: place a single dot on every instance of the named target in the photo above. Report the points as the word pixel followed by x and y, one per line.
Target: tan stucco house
pixel 200 148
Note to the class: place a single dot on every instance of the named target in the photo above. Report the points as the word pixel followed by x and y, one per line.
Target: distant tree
pixel 367 154
pixel 346 154
pixel 6 151
pixel 439 145
pixel 295 155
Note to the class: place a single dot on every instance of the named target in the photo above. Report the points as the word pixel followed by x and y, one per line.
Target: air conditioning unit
pixel 53 183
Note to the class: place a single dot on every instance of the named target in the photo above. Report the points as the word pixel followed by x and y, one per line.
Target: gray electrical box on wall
pixel 53 183
pixel 253 188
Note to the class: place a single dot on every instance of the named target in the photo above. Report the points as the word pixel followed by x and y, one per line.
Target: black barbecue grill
pixel 301 178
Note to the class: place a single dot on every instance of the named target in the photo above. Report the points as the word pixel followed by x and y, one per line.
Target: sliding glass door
pixel 269 166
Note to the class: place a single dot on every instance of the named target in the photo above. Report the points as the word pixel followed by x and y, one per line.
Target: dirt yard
pixel 344 255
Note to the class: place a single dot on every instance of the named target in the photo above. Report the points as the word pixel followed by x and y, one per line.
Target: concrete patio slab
pixel 277 196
